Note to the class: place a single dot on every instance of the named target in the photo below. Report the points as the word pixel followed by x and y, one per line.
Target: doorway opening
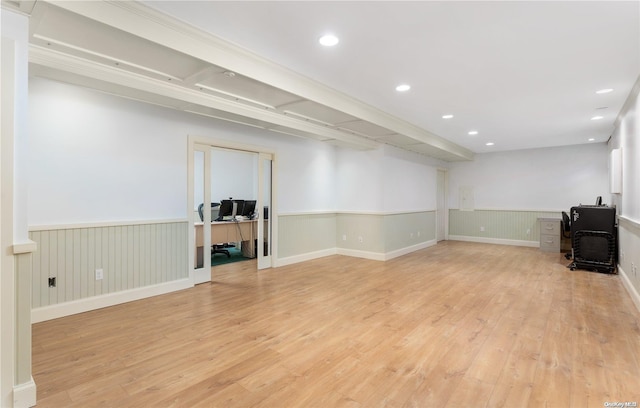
pixel 230 198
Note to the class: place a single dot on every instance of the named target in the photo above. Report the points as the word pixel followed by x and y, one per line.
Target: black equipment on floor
pixel 594 238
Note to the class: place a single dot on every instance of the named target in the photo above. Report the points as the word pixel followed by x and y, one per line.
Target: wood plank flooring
pixel 455 325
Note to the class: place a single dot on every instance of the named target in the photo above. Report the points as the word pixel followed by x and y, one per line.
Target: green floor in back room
pixel 220 259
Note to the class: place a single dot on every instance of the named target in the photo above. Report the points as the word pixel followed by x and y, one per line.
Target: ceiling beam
pixel 145 22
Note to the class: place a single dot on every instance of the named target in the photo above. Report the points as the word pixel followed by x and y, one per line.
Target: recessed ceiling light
pixel 591 139
pixel 329 40
pixel 473 132
pixel 596 117
pixel 489 143
pixel 604 91
pixel 403 88
pixel 447 116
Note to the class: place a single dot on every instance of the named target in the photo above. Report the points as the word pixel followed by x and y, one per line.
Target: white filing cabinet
pixel 550 234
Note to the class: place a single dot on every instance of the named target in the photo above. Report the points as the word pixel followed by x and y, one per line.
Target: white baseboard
pixel 497 241
pixel 24 395
pixel 374 256
pixel 42 314
pixel 409 249
pixel 304 257
pixel 626 282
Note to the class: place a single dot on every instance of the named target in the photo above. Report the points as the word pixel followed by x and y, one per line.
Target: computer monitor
pixel 249 208
pixel 229 208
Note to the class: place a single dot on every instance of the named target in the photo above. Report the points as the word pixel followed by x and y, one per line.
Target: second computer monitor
pixel 249 208
pixel 230 208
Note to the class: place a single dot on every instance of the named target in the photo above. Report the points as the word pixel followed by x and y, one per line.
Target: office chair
pixel 216 248
pixel 566 225
pixel 566 230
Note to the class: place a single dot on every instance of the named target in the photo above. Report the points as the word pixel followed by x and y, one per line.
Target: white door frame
pixel 445 207
pixel 201 143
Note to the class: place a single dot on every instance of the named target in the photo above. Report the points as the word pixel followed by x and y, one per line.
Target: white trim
pixel 304 257
pixel 24 395
pixel 374 256
pixel 42 314
pixel 626 282
pixel 33 228
pixel 511 209
pixel 26 247
pixel 340 212
pixel 409 249
pixel 628 222
pixel 497 241
pixel 229 144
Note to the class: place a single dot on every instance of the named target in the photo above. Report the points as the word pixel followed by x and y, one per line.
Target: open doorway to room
pixel 230 190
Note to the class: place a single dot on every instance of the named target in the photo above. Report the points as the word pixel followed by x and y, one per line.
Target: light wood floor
pixel 455 325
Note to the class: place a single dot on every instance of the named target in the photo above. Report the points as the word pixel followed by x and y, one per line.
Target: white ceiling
pixel 523 74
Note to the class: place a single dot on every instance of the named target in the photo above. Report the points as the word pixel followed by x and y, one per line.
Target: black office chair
pixel 216 248
pixel 566 225
pixel 566 230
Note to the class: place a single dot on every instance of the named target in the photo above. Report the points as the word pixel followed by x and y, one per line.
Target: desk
pixel 244 231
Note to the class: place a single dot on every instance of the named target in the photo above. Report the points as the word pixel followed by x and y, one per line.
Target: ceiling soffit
pixel 202 74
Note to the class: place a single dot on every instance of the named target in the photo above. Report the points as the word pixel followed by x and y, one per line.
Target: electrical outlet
pixel 52 282
pixel 99 274
pixel 360 239
pixel 344 237
pixel 528 231
pixel 481 229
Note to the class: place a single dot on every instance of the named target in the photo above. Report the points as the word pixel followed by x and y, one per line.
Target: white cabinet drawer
pixel 550 234
pixel 550 227
pixel 550 243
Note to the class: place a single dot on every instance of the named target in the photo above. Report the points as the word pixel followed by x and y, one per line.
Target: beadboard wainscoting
pixel 306 236
pixel 507 227
pixel 372 236
pixel 629 263
pixel 136 261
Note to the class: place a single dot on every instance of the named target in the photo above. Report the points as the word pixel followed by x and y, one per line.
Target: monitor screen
pixel 249 208
pixel 230 208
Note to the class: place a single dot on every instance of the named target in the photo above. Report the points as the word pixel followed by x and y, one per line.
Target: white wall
pixel 626 137
pixel 234 174
pixel 306 175
pixel 385 180
pixel 97 158
pixel 409 181
pixel 550 179
pixel 359 176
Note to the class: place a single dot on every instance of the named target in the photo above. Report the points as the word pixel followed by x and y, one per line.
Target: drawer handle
pixel 549 241
pixel 549 227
